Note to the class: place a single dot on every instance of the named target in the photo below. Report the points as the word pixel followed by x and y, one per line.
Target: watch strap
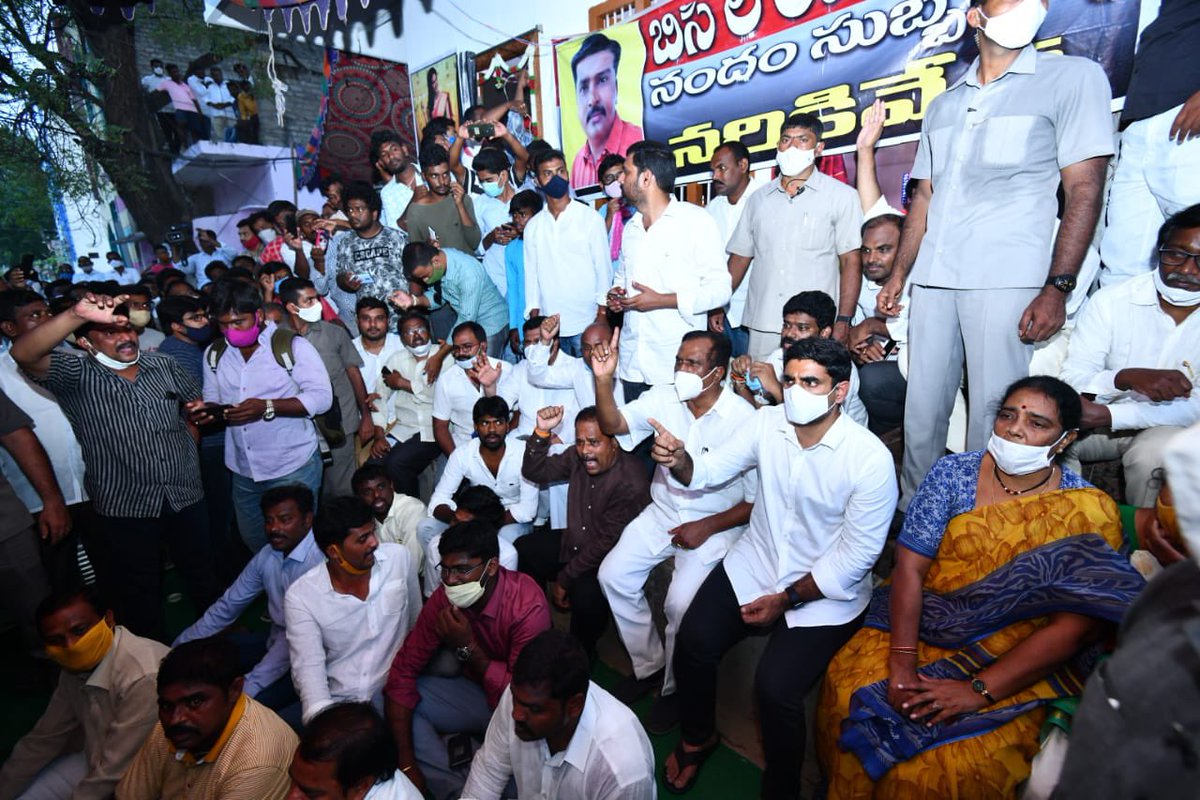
pixel 844 318
pixel 794 600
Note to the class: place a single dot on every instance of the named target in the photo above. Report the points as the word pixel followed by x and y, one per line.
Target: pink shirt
pixel 182 97
pixel 585 170
pixel 515 613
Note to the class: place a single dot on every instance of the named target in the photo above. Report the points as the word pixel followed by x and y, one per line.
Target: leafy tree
pixel 26 218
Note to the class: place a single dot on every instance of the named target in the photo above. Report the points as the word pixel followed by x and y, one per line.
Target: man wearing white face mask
pixel 990 277
pixel 475 375
pixel 695 527
pixel 478 620
pixel 801 234
pixel 1135 357
pixel 802 570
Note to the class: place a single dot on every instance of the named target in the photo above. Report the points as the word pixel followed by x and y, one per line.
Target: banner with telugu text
pixel 695 74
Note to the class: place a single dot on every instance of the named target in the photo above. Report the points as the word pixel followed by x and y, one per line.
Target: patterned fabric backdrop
pixel 364 95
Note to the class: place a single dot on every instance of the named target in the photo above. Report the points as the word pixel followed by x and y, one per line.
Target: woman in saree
pixel 439 102
pixel 1007 579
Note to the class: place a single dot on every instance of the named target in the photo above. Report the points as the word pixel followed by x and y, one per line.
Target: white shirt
pixel 199 87
pixel 406 414
pixel 532 397
pixel 572 373
pixel 897 326
pixel 681 253
pixel 52 429
pixel 823 511
pixel 342 647
pixel 852 405
pixel 395 197
pixel 127 277
pixel 219 93
pixel 373 363
pixel 729 416
pixel 1122 326
pixel 398 787
pixel 150 82
pixel 491 213
pixel 400 526
pixel 518 496
pixel 576 238
pixel 288 256
pixel 727 215
pixel 608 758
pixel 454 397
pixel 195 264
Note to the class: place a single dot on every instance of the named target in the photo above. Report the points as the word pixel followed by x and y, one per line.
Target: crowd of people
pixel 200 105
pixel 443 431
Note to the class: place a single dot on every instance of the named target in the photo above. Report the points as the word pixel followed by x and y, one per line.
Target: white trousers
pixel 58 779
pixel 1140 454
pixel 644 545
pixel 1154 178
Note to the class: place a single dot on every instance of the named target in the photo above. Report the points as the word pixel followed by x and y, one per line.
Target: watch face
pixel 978 686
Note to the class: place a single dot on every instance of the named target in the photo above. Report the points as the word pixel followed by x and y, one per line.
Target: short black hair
pixel 378 139
pixel 368 472
pixel 474 327
pixel 1070 407
pixel 656 157
pixel 883 219
pixel 438 126
pixel 330 180
pixel 276 207
pixel 736 149
pixel 808 121
pixel 482 503
pixel 589 414
pixel 542 156
pixel 355 738
pixel 233 296
pixel 360 190
pixel 609 161
pixel 490 159
pixel 720 348
pixel 476 538
pixel 815 304
pixel 829 353
pixel 298 493
pixel 244 263
pixel 556 660
pixel 370 302
pixel 533 323
pixel 172 310
pixel 526 200
pixel 495 407
pixel 137 290
pixel 1187 218
pixel 166 276
pixel 290 289
pixel 411 314
pixel 416 254
pixel 215 264
pixel 212 662
pixel 432 155
pixel 69 596
pixel 596 43
pixel 337 517
pixel 15 299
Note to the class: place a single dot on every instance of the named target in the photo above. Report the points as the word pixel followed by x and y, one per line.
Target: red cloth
pixel 515 613
pixel 273 251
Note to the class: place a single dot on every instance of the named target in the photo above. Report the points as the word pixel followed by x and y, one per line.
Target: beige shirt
pixel 114 708
pixel 400 526
pixel 252 764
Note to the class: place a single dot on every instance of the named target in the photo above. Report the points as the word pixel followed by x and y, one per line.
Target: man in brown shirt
pixel 213 741
pixel 105 697
pixel 607 488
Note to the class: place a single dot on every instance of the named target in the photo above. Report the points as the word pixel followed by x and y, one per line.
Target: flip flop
pixel 685 759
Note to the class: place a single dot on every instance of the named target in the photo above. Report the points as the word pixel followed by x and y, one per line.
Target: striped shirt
pixel 136 446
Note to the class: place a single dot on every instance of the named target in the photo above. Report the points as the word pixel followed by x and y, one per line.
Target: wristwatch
pixel 464 653
pixel 979 687
pixel 793 597
pixel 844 318
pixel 1064 283
pixel 269 414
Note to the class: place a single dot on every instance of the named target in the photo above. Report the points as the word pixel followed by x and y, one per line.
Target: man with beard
pixel 876 342
pixel 212 740
pixel 368 259
pixel 374 343
pixel 594 68
pixel 396 515
pixel 389 155
pixel 444 214
pixel 346 619
pixel 807 315
pixel 558 734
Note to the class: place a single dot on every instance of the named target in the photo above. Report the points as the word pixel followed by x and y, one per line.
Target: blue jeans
pixel 448 706
pixel 571 345
pixel 247 496
pixel 739 338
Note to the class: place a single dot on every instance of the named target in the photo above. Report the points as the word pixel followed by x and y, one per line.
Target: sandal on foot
pixel 685 759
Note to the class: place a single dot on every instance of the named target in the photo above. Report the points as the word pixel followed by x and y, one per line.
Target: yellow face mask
pixel 1166 517
pixel 341 561
pixel 87 651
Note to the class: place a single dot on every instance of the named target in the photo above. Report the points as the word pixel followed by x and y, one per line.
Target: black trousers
pixel 406 461
pixel 537 554
pixel 791 665
pixel 881 388
pixel 126 553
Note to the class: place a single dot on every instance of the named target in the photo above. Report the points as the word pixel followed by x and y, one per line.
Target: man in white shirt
pixel 396 515
pixel 697 528
pixel 565 232
pixel 731 184
pixel 391 159
pixel 827 493
pixel 807 315
pixel 559 735
pixel 289 553
pixel 375 343
pixel 1135 357
pixel 219 105
pixel 672 270
pixel 347 752
pixel 573 373
pixel 532 395
pixel 195 266
pixel 493 174
pixel 404 412
pixel 489 460
pixel 475 374
pixel 346 620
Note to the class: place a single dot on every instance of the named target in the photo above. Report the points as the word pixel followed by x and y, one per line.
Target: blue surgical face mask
pixel 279 283
pixel 557 187
pixel 492 188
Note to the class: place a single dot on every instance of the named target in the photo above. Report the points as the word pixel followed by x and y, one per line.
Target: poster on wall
pixel 695 74
pixel 435 92
pixel 498 77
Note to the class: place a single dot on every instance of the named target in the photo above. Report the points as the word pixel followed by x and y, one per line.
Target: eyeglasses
pixel 461 571
pixel 1177 258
